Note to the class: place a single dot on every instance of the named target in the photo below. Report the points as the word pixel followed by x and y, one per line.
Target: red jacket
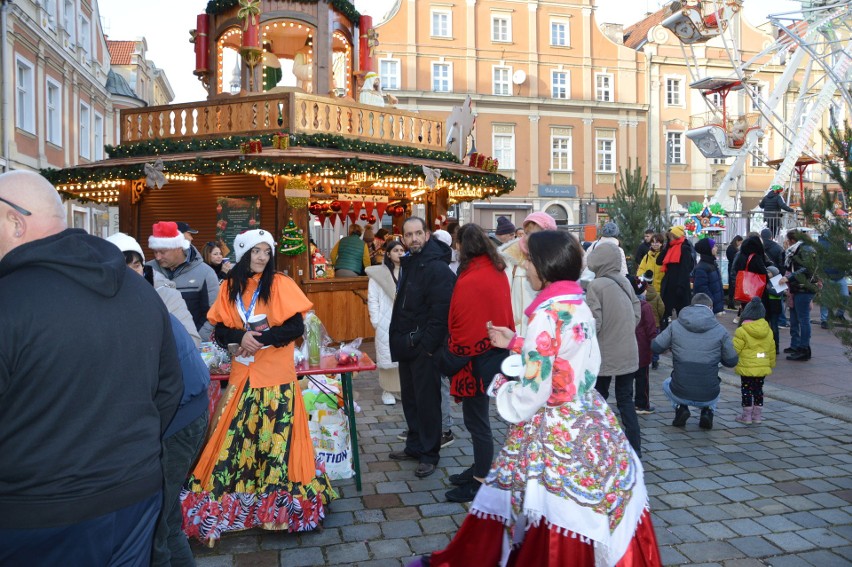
pixel 646 330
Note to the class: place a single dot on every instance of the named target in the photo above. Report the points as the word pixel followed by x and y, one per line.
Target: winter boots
pixel 747 415
pixel 755 415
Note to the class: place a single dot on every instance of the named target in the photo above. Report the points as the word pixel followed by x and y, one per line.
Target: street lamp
pixel 669 145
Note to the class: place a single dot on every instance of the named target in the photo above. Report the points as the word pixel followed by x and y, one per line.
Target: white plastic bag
pixel 332 444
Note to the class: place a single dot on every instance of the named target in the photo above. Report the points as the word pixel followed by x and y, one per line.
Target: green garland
pixel 327 141
pixel 254 162
pixel 345 7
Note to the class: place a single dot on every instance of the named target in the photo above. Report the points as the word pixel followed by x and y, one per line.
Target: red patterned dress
pixel 567 488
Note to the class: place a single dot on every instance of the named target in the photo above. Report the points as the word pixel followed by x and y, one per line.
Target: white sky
pixel 165 24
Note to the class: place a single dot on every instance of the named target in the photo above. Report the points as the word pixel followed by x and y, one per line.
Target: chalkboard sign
pixel 235 215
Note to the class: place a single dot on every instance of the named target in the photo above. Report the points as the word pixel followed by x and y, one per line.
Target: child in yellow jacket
pixel 755 345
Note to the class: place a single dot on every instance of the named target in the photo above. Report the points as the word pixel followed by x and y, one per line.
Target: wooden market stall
pixel 270 154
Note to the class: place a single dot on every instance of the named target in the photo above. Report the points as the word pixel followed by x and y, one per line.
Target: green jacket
pixel 754 343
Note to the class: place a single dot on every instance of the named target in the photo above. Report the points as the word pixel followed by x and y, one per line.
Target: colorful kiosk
pixel 281 138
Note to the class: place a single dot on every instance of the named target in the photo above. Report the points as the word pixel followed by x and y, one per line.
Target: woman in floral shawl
pixel 566 489
pixel 258 468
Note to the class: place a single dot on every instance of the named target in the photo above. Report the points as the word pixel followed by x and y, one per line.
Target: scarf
pixel 481 294
pixel 790 252
pixel 556 289
pixel 673 252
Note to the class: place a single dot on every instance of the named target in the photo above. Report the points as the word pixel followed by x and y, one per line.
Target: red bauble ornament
pixel 363 216
pixel 218 208
pixel 371 219
pixel 335 206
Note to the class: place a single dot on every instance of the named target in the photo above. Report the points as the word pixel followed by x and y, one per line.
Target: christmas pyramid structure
pixel 292 240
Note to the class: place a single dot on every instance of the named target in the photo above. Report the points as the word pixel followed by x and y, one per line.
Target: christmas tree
pixel 292 241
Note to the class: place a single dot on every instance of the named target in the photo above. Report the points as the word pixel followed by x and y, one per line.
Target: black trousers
pixel 420 389
pixel 624 402
pixel 475 413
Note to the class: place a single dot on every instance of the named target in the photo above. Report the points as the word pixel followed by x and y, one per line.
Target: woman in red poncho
pixel 481 296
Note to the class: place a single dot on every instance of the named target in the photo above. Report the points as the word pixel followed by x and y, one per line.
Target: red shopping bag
pixel 749 284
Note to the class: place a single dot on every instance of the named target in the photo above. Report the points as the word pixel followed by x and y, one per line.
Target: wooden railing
pixel 298 112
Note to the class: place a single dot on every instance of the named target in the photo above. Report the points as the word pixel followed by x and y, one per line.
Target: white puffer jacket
pixel 381 292
pixel 522 293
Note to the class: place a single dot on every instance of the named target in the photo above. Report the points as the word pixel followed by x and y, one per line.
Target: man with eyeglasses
pixel 89 380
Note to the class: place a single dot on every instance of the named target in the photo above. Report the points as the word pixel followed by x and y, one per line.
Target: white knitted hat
pixel 249 239
pixel 166 237
pixel 126 243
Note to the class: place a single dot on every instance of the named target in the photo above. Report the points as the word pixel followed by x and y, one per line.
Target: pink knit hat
pixel 542 219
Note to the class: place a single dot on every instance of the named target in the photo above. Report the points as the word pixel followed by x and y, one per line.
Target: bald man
pixel 89 380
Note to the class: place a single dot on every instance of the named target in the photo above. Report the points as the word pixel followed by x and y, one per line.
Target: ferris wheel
pixel 815 47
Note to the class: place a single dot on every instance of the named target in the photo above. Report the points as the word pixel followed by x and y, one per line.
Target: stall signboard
pixel 235 215
pixel 603 208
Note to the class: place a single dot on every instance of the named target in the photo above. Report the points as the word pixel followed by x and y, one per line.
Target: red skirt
pixel 480 542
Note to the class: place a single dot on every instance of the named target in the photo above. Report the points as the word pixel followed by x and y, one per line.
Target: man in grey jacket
pixel 617 312
pixel 699 343
pixel 181 263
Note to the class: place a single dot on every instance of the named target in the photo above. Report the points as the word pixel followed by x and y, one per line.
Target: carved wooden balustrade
pixel 269 113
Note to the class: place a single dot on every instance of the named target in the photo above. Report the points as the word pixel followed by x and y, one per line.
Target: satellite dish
pixel 519 77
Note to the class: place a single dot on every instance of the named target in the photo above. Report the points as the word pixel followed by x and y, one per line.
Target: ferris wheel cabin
pixel 718 136
pixel 697 22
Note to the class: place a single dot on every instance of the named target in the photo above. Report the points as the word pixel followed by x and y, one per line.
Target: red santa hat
pixel 166 237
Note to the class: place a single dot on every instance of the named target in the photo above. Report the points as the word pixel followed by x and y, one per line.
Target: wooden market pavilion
pixel 289 153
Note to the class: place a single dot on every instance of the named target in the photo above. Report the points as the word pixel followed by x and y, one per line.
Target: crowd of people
pixel 528 317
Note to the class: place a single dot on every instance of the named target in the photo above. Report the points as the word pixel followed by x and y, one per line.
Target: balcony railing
pixel 295 111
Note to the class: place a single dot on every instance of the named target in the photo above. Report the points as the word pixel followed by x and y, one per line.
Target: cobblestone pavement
pixel 777 494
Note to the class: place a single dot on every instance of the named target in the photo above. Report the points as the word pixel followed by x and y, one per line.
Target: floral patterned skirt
pixel 566 485
pixel 248 485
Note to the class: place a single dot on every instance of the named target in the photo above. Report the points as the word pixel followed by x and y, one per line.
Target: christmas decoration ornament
pixel 292 241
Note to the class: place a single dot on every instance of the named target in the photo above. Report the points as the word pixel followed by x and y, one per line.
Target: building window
pixel 54 112
pixel 757 93
pixel 673 97
pixel 605 145
pixel 757 154
pixel 389 73
pixel 559 33
pixel 442 77
pixel 85 127
pixel 50 8
pixel 719 161
pixel 560 84
pixel 501 28
pixel 675 140
pixel 24 95
pixel 442 23
pixel 715 99
pixel 503 142
pixel 501 83
pixel 560 152
pixel 603 87
pixel 68 20
pixel 803 115
pixel 98 137
pixel 86 36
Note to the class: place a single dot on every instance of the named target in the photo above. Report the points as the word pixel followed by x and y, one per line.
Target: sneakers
pixel 681 415
pixel 655 364
pixel 823 324
pixel 465 492
pixel 706 420
pixel 461 478
pixel 424 469
pixel 447 439
pixel 801 355
pixel 388 399
pixel 646 411
pixel 403 436
pixel 736 321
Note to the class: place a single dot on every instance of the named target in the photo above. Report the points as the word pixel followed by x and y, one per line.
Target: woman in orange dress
pixel 258 468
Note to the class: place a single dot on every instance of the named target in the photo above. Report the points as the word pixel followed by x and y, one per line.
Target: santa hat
pixel 249 239
pixel 126 243
pixel 443 236
pixel 166 237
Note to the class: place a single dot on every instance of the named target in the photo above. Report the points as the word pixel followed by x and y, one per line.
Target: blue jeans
pixel 120 538
pixel 800 320
pixel 667 390
pixel 625 405
pixel 179 453
pixel 843 290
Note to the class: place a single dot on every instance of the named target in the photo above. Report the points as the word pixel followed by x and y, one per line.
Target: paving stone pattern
pixel 777 494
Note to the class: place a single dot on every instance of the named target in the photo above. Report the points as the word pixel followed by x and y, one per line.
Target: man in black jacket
pixel 89 380
pixel 418 329
pixel 772 205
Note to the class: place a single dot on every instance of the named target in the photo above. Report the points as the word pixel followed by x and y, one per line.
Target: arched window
pixel 559 214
